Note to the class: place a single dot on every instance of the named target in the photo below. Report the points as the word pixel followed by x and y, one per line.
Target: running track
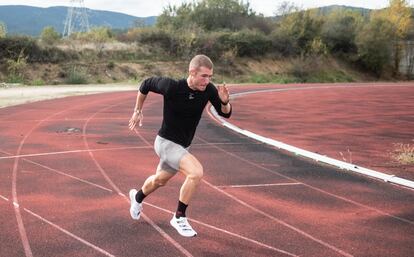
pixel 66 166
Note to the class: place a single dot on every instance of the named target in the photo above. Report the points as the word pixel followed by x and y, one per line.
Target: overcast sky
pixel 144 8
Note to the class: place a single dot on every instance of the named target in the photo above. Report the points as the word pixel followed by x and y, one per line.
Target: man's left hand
pixel 223 93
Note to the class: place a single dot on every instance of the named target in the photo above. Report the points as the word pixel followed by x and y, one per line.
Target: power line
pixel 76 18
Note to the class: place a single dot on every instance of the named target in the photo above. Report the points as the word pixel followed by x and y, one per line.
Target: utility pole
pixel 76 18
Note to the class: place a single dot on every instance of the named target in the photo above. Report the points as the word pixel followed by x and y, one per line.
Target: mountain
pixel 28 20
pixel 331 8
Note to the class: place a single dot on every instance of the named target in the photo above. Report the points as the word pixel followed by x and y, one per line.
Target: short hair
pixel 200 61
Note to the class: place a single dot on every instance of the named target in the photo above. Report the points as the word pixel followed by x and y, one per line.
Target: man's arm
pixel 137 116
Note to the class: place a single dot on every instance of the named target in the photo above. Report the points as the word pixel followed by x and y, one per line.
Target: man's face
pixel 201 77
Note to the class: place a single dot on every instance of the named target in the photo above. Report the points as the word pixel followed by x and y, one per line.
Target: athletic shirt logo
pixel 191 96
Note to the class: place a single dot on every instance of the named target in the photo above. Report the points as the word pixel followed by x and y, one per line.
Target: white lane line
pixel 166 236
pixel 70 176
pixel 70 234
pixel 4 198
pixel 261 185
pixel 226 232
pixel 301 232
pixel 72 151
pixel 64 174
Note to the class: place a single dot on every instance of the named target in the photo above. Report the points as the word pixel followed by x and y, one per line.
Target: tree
pixel 49 35
pixel 211 15
pixel 399 16
pixel 374 44
pixel 340 29
pixel 3 30
pixel 298 30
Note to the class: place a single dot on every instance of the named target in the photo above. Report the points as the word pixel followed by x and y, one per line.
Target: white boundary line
pixel 72 151
pixel 314 156
pixel 262 185
pixel 69 233
pixel 4 198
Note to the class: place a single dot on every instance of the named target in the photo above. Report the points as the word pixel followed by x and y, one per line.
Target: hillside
pixel 31 20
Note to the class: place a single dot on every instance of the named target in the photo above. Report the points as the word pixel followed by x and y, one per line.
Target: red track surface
pixel 67 164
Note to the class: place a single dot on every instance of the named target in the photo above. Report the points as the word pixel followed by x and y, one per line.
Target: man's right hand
pixel 137 117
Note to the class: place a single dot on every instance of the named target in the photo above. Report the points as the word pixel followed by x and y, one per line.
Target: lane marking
pixel 261 185
pixel 95 150
pixel 226 231
pixel 20 224
pixel 69 233
pixel 315 188
pixel 4 198
pixel 72 151
pixel 63 173
pixel 301 232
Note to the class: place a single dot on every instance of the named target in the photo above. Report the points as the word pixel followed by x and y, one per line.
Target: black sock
pixel 139 197
pixel 182 207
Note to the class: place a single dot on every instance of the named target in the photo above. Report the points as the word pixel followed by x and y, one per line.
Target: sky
pixel 145 8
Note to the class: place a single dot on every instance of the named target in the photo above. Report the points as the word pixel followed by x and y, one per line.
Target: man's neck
pixel 189 84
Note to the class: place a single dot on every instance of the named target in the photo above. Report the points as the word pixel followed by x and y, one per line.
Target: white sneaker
pixel 182 226
pixel 136 207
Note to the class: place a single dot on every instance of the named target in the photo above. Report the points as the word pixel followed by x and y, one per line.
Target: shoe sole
pixel 178 230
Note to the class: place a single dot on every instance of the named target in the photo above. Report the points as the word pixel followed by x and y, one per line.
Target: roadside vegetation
pixel 403 153
pixel 336 45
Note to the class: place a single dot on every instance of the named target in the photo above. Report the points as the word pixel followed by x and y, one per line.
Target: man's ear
pixel 193 71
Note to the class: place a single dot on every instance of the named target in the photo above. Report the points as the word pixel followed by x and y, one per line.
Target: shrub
pixel 403 153
pixel 13 46
pixel 76 76
pixel 49 35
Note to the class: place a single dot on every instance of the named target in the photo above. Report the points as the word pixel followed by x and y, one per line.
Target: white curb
pixel 317 157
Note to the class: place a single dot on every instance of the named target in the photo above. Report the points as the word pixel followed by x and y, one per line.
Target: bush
pixel 13 46
pixel 76 76
pixel 49 35
pixel 249 43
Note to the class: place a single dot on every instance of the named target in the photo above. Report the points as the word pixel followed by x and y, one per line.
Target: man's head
pixel 200 72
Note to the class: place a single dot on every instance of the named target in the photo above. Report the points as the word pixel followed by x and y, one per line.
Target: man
pixel 184 102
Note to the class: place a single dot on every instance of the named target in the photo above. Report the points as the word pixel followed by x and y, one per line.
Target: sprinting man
pixel 184 102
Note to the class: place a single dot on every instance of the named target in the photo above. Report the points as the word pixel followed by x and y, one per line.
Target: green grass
pixel 37 82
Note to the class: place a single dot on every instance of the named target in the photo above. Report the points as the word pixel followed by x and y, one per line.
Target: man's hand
pixel 223 93
pixel 137 117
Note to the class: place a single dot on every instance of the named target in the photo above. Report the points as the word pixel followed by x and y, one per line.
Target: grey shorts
pixel 170 154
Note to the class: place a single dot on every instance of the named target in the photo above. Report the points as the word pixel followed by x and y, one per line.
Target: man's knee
pixel 191 167
pixel 196 173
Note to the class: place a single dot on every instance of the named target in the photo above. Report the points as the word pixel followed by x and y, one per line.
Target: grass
pixel 37 82
pixel 403 153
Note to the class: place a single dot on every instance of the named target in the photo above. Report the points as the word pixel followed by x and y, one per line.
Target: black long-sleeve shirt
pixel 183 107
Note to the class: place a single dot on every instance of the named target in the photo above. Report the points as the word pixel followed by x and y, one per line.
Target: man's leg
pixel 156 181
pixel 151 184
pixel 193 172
